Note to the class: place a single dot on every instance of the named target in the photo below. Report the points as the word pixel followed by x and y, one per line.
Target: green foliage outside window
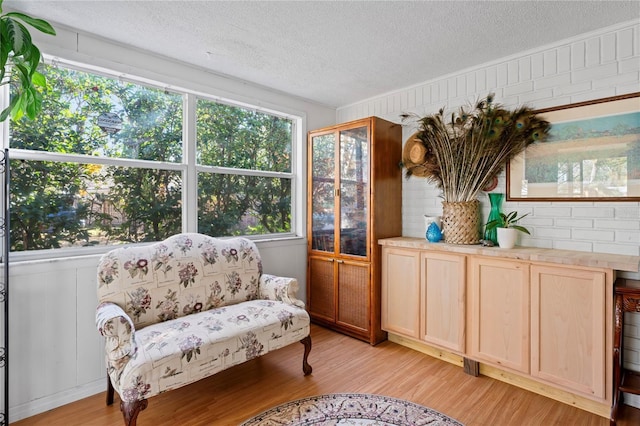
pixel 238 138
pixel 74 203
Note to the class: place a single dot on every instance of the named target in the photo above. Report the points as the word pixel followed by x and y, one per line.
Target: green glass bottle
pixel 495 198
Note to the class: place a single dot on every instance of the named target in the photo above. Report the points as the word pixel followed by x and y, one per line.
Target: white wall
pixel 56 354
pixel 596 65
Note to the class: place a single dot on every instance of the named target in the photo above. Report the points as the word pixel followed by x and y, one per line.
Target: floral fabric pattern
pixel 109 271
pixel 116 327
pixel 251 345
pixel 183 243
pixel 279 288
pixel 216 298
pixel 161 259
pixel 231 254
pixel 190 347
pixel 137 267
pixel 139 302
pixel 188 274
pixel 234 283
pixel 218 338
pixel 169 306
pixel 138 390
pixel 182 264
pixel 209 253
pixel 188 307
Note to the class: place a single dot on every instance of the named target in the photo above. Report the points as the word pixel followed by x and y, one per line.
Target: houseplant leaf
pixel 38 24
pixel 19 60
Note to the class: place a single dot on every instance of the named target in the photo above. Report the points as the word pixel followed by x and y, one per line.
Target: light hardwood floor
pixel 340 364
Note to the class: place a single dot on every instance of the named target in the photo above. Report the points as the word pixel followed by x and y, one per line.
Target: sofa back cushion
pixel 186 273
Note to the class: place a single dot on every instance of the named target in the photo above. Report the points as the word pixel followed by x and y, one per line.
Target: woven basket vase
pixel 461 222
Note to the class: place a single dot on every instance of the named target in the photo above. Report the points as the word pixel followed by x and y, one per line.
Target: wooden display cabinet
pixel 355 198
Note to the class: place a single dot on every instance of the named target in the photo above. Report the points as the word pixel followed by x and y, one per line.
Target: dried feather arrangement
pixel 461 155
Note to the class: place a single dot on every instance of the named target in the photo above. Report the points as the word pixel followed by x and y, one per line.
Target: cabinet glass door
pixel 323 192
pixel 354 190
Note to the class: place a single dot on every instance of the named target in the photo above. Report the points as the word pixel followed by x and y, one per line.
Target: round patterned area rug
pixel 342 409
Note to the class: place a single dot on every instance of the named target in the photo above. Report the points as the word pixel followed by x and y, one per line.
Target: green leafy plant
pixel 19 59
pixel 508 221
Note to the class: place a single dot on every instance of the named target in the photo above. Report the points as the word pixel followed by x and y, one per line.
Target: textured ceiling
pixel 333 52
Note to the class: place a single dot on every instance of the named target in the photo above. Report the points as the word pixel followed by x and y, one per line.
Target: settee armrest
pixel 283 289
pixel 117 328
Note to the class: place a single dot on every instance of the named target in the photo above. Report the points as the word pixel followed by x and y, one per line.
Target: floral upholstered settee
pixel 188 307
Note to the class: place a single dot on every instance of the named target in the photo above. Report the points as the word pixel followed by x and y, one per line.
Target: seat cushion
pixel 174 353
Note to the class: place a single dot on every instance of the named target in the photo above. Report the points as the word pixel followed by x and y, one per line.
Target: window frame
pixel 188 166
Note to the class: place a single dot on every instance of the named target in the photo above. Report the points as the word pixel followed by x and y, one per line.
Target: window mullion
pixel 189 175
pixel 243 172
pixel 27 154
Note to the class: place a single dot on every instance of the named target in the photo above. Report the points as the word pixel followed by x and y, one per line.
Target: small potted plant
pixel 506 228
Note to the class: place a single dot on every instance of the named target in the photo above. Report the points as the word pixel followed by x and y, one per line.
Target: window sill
pixel 78 252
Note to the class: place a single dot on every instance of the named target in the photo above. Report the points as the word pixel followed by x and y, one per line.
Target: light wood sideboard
pixel 540 319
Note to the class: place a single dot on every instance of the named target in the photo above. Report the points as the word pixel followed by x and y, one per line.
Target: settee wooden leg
pixel 130 411
pixel 109 391
pixel 307 348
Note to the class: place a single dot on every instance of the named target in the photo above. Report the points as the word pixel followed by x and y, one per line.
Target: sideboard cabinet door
pixel 401 291
pixel 499 312
pixel 569 328
pixel 442 299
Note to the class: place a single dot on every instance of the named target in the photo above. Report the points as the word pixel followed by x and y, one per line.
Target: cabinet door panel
pixel 322 199
pixel 568 309
pixel 499 323
pixel 321 294
pixel 401 291
pixel 354 190
pixel 353 295
pixel 442 300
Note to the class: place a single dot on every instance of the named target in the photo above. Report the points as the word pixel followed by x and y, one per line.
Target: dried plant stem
pixel 465 154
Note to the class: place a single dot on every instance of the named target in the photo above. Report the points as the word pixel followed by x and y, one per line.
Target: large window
pixel 253 196
pixel 106 163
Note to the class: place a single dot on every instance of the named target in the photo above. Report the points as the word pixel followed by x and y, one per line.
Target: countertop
pixel 565 257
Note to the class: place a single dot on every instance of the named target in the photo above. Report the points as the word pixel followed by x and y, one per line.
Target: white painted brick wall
pixel 596 65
